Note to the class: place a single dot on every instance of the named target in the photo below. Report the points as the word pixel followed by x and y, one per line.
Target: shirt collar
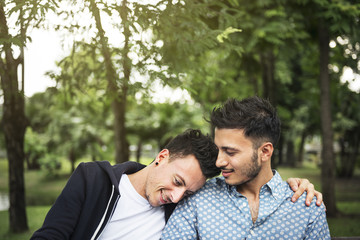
pixel 274 185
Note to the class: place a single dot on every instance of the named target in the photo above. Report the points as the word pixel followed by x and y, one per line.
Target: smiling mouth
pixel 226 172
pixel 163 198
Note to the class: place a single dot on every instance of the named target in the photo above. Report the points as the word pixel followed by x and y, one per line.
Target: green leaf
pixel 225 34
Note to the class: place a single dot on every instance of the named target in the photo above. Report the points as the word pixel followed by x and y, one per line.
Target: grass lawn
pixel 35 215
pixel 42 190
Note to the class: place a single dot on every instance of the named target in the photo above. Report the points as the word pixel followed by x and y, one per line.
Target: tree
pixel 347 130
pixel 131 20
pixel 39 113
pixel 83 120
pixel 328 20
pixel 13 39
pixel 328 158
pixel 345 55
pixel 117 94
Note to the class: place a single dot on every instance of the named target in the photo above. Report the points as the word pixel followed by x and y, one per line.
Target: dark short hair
pixel 255 116
pixel 193 142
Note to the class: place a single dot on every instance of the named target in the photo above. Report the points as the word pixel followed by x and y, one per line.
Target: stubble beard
pixel 252 170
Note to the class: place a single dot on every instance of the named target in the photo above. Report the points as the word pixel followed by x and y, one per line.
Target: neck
pixel 252 188
pixel 138 180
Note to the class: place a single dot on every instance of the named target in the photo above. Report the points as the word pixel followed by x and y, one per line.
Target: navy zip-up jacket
pixel 87 202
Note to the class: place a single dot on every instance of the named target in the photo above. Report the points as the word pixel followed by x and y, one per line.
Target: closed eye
pixel 177 182
pixel 230 153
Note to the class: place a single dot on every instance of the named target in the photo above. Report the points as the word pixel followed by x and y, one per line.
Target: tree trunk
pixel 255 85
pixel 123 151
pixel 300 156
pixel 290 153
pixel 268 75
pixel 117 95
pixel 139 150
pixel 328 160
pixel 14 125
pixel 278 157
pixel 349 146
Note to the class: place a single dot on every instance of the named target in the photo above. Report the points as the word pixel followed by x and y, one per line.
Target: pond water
pixel 4 201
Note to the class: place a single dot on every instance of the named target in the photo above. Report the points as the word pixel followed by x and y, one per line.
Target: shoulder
pixel 93 165
pixel 90 172
pixel 91 169
pixel 300 206
pixel 282 192
pixel 128 167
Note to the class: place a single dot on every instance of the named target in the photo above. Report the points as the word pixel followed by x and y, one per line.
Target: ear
pixel 266 151
pixel 163 155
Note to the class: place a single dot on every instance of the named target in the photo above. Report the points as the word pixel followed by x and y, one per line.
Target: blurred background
pixel 95 80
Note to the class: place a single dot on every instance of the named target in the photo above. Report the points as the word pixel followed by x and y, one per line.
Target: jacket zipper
pixel 103 218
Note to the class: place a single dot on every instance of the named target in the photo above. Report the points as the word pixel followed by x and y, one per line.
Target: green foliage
pixel 50 162
pixel 161 121
pixel 71 127
pixel 23 16
pixel 35 147
pixel 226 33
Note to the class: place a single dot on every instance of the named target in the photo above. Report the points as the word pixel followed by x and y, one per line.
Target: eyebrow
pixel 229 148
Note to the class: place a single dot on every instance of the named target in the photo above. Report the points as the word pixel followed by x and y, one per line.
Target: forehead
pixel 233 138
pixel 183 164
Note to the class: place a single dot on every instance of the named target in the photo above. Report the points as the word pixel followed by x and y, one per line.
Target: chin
pixel 154 204
pixel 151 202
pixel 234 182
pixel 230 182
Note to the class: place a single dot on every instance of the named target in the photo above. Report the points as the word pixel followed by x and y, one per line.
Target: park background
pixel 120 78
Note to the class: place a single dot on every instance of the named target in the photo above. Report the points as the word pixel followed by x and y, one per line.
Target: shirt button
pixel 252 232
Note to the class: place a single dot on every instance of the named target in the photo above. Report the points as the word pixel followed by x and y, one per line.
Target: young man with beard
pixel 250 200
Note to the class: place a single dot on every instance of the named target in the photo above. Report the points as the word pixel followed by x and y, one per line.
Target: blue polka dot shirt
pixel 218 211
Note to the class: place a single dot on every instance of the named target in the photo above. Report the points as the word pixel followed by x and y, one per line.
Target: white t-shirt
pixel 134 217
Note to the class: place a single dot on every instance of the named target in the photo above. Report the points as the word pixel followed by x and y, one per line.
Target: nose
pixel 177 194
pixel 221 160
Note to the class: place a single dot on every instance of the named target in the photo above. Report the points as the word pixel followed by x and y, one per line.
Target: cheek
pixel 236 160
pixel 239 161
pixel 153 183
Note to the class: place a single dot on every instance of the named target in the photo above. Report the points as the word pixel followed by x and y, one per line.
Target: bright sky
pixel 40 57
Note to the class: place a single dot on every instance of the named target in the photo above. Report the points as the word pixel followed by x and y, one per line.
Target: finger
pixel 319 198
pixel 303 185
pixel 296 196
pixel 310 194
pixel 298 193
pixel 294 183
